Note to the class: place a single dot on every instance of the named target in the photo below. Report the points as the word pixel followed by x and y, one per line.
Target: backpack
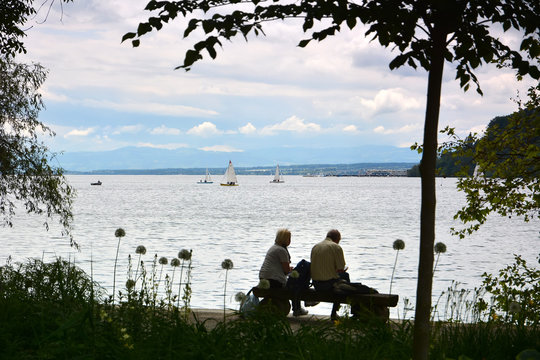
pixel 303 281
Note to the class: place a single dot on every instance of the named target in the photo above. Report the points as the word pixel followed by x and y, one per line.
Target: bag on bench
pixel 303 281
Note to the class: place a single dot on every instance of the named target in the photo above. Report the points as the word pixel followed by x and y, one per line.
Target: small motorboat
pixel 96 183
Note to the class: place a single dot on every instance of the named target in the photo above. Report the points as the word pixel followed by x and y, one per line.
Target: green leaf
pixel 136 43
pixel 143 29
pixel 129 35
pixel 304 43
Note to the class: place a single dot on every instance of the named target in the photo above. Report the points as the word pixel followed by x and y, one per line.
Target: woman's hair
pixel 282 237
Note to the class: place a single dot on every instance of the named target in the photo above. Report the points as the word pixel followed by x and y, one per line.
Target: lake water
pixel 170 213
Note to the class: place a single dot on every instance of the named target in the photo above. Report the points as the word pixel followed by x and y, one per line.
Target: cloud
pixel 220 148
pixel 163 130
pixel 350 129
pixel 205 129
pixel 390 100
pixel 293 124
pixel 411 128
pixel 77 132
pixel 247 129
pixel 148 108
pixel 163 146
pixel 128 129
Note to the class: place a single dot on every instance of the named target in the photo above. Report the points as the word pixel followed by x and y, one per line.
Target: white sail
pixel 277 176
pixel 230 176
pixel 207 179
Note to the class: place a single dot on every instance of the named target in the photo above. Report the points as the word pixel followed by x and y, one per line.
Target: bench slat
pixel 389 300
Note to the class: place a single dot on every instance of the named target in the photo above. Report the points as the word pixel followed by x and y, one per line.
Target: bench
pixel 374 304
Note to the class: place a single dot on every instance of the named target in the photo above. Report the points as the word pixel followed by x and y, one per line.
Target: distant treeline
pixel 313 169
pixel 448 164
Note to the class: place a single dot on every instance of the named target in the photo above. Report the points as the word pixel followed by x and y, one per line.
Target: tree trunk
pixel 427 214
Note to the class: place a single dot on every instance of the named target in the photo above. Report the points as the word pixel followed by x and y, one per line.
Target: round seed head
pixel 163 260
pixel 140 250
pixel 120 233
pixel 440 248
pixel 399 244
pixel 184 254
pixel 175 262
pixel 227 264
pixel 264 284
pixel 240 297
pixel 130 284
pixel 514 307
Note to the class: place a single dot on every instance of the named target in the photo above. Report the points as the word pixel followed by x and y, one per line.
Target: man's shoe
pixel 311 303
pixel 300 312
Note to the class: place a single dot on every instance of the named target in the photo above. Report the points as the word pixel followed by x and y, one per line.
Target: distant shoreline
pixel 315 170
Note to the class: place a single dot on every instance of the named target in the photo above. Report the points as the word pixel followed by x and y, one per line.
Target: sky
pixel 102 94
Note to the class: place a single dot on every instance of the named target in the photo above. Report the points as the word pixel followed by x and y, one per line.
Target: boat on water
pixel 96 183
pixel 230 176
pixel 278 179
pixel 207 179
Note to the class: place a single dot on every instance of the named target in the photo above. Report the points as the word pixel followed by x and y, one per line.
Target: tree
pixel 426 33
pixel 507 158
pixel 13 18
pixel 26 176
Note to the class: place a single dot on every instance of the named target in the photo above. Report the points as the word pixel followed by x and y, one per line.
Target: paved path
pixel 214 316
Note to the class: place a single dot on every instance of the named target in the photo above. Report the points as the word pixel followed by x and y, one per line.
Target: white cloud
pixel 247 129
pixel 205 129
pixel 390 100
pixel 293 124
pixel 163 146
pixel 350 129
pixel 163 130
pixel 128 129
pixel 148 108
pixel 220 148
pixel 411 128
pixel 76 132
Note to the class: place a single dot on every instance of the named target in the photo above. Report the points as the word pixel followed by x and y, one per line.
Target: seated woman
pixel 277 264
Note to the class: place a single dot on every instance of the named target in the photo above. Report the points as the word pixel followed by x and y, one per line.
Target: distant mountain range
pixel 144 158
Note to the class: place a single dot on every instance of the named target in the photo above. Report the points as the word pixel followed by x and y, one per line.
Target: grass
pixel 55 311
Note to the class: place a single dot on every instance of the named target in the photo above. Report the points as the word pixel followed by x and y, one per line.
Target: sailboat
pixel 230 176
pixel 277 177
pixel 207 179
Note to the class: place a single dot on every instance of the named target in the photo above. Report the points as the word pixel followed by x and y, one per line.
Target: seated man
pixel 328 270
pixel 327 263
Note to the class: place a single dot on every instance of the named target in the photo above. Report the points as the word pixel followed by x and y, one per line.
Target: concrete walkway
pixel 211 317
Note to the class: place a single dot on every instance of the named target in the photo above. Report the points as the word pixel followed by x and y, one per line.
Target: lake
pixel 170 213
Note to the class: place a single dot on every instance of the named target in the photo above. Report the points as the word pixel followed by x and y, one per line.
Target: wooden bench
pixel 375 304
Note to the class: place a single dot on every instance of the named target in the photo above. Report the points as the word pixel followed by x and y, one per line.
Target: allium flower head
pixel 184 254
pixel 399 244
pixel 227 264
pixel 119 233
pixel 163 260
pixel 264 284
pixel 130 284
pixel 440 248
pixel 294 274
pixel 514 307
pixel 175 262
pixel 240 297
pixel 140 250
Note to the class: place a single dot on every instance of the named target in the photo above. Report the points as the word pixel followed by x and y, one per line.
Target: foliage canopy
pixel 506 180
pixel 27 177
